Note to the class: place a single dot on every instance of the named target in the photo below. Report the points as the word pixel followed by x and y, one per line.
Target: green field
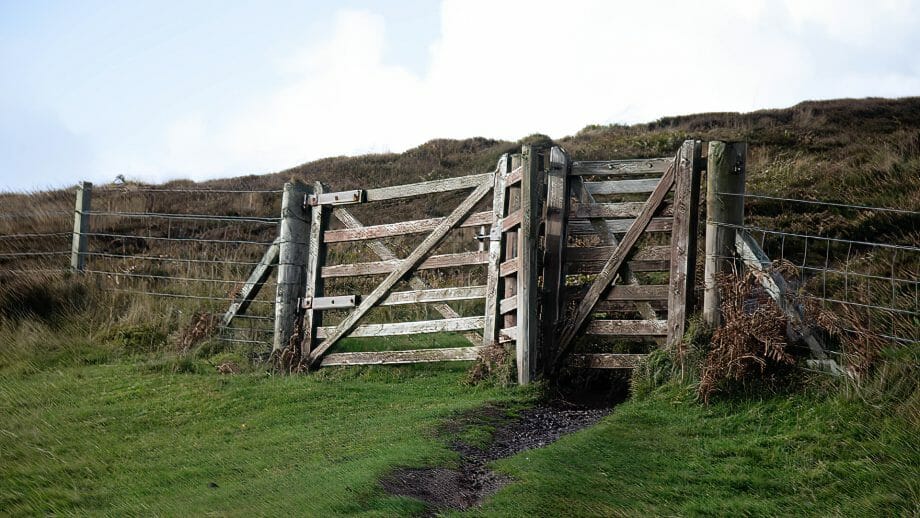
pixel 80 435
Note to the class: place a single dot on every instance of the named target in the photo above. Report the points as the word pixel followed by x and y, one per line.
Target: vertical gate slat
pixel 319 222
pixel 531 190
pixel 683 237
pixel 555 215
pixel 493 281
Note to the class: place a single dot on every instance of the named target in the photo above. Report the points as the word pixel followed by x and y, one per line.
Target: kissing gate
pixel 576 260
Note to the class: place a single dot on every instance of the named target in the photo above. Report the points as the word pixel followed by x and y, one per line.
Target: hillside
pixel 112 403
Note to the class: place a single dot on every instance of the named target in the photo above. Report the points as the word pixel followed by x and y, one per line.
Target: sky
pixel 205 89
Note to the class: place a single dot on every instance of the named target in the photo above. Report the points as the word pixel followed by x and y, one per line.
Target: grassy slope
pixel 116 439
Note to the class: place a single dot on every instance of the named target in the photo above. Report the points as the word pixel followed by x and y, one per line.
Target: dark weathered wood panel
pixel 626 209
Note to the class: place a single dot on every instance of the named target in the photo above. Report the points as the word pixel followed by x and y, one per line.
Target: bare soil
pixel 466 486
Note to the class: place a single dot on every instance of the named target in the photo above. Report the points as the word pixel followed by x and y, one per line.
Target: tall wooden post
pixel 319 222
pixel 81 226
pixel 683 237
pixel 555 217
pixel 527 292
pixel 724 211
pixel 292 258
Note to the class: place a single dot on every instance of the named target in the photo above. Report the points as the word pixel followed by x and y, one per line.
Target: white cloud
pixel 507 69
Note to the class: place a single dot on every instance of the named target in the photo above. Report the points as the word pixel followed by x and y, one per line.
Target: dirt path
pixel 442 488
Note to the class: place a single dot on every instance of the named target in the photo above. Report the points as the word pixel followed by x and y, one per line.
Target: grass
pixel 113 437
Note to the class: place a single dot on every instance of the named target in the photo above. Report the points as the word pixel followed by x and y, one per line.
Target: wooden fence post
pixel 555 215
pixel 683 238
pixel 292 259
pixel 81 226
pixel 493 280
pixel 527 292
pixel 319 222
pixel 724 210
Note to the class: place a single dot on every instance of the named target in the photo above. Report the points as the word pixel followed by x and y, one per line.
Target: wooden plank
pixel 683 238
pixel 509 267
pixel 311 318
pixel 383 267
pixel 605 361
pixel 397 298
pixel 493 275
pixel 609 271
pixel 512 203
pixel 627 327
pixel 511 221
pixel 638 292
pixel 625 209
pixel 384 252
pixel 407 328
pixel 622 186
pixel 508 334
pixel 602 253
pixel 425 188
pixel 416 257
pixel 402 357
pixel 253 285
pixel 507 305
pixel 292 261
pixel 629 306
pixel 581 228
pixel 775 286
pixel 400 228
pixel 527 291
pixel 326 303
pixel 514 177
pixel 638 166
pixel 555 219
pixel 335 198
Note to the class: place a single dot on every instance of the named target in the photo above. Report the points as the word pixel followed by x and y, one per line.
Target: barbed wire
pixel 170 277
pixel 43 234
pixel 822 203
pixel 187 217
pixel 183 296
pixel 228 262
pixel 187 239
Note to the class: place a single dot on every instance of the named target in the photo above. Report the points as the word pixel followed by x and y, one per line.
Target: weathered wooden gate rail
pixel 571 254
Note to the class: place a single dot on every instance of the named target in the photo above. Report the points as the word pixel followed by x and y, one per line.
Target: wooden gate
pixel 575 251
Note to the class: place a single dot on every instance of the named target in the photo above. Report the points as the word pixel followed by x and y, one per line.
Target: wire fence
pixel 190 248
pixel 858 261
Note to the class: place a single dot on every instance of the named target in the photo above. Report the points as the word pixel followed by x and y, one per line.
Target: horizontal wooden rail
pixel 580 228
pixel 401 357
pixel 414 190
pixel 382 267
pixel 514 177
pixel 508 305
pixel 626 209
pixel 511 220
pixel 625 292
pixel 409 328
pixel 622 186
pixel 601 253
pixel 627 327
pixel 508 334
pixel 434 295
pixel 605 361
pixel 621 167
pixel 400 228
pixel 509 267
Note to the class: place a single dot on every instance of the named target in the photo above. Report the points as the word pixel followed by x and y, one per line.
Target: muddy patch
pixel 507 432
